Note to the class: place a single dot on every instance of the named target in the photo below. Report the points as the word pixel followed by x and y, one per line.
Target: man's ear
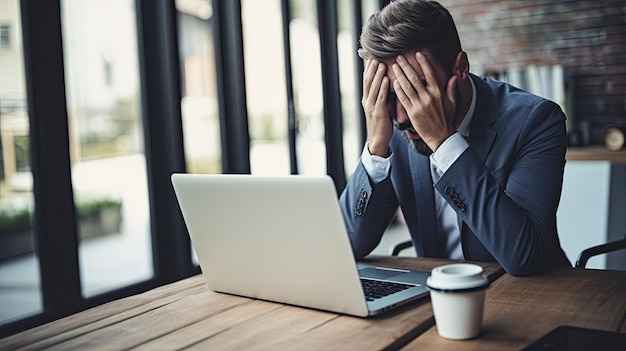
pixel 461 65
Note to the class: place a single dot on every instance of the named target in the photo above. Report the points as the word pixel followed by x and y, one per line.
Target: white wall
pixel 582 217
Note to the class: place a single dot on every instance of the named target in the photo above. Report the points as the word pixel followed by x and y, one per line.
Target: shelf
pixel 595 153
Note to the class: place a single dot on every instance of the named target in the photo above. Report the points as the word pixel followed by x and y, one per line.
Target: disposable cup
pixel 457 293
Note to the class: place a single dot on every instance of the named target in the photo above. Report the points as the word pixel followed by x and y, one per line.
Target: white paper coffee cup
pixel 457 293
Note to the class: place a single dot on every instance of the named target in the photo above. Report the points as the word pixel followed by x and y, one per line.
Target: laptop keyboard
pixel 375 289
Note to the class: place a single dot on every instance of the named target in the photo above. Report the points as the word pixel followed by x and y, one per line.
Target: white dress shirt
pixel 449 233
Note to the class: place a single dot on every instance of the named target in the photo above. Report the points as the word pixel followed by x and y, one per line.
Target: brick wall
pixel 586 38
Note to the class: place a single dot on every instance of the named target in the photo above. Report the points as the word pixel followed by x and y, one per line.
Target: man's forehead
pixel 410 56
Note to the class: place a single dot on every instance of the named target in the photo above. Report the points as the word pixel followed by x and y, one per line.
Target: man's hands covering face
pixel 430 110
pixel 374 101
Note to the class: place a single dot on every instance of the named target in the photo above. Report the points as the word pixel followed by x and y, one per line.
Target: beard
pixel 420 145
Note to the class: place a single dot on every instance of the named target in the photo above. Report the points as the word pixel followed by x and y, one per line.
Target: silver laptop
pixel 283 239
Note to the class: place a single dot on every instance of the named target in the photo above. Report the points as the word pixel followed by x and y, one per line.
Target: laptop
pixel 283 239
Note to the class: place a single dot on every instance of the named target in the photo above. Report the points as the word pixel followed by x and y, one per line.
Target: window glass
pixel 307 87
pixel 5 36
pixel 368 7
pixel 199 105
pixel 350 97
pixel 349 78
pixel 265 86
pixel 20 288
pixel 106 143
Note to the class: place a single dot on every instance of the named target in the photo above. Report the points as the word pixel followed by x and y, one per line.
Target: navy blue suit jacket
pixel 505 187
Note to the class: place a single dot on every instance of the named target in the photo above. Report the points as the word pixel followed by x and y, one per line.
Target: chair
pixel 586 254
pixel 581 262
pixel 395 250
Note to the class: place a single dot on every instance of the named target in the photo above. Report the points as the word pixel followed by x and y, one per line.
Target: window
pixel 307 87
pixel 116 111
pixel 20 294
pixel 106 143
pixel 265 86
pixel 5 36
pixel 201 127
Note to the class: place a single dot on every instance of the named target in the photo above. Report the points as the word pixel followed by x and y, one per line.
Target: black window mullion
pixel 357 15
pixel 292 123
pixel 160 89
pixel 333 122
pixel 231 87
pixel 55 218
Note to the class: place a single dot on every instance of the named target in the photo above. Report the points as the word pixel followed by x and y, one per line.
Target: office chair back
pixel 586 254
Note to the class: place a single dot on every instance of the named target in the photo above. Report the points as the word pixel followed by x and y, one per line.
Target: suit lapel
pixel 424 204
pixel 481 140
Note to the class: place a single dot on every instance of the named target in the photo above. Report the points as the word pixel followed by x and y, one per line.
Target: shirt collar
pixel 464 127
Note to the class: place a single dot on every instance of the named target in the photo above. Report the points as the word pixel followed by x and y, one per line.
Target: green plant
pixel 15 219
pixel 21 219
pixel 92 208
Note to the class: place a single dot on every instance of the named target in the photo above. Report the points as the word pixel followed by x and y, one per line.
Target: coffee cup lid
pixel 457 277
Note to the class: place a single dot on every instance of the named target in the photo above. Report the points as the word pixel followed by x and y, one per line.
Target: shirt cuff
pixel 449 151
pixel 377 167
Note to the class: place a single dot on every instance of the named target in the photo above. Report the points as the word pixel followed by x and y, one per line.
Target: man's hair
pixel 409 25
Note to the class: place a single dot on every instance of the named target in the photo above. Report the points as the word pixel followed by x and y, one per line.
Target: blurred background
pixel 100 101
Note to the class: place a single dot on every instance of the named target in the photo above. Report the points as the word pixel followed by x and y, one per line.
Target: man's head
pixel 404 27
pixel 410 25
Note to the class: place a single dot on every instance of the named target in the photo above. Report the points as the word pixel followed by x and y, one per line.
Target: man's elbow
pixel 359 252
pixel 521 271
pixel 520 268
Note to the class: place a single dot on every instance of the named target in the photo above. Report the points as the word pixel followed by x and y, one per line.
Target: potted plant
pixel 96 216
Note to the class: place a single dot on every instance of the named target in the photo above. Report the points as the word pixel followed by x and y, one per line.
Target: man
pixel 475 165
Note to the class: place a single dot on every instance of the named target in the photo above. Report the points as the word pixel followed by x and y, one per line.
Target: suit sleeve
pixel 512 210
pixel 367 209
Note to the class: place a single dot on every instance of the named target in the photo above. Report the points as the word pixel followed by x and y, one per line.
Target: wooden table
pixel 186 315
pixel 519 310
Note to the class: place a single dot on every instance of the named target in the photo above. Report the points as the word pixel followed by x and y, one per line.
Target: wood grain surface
pixel 186 315
pixel 519 310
